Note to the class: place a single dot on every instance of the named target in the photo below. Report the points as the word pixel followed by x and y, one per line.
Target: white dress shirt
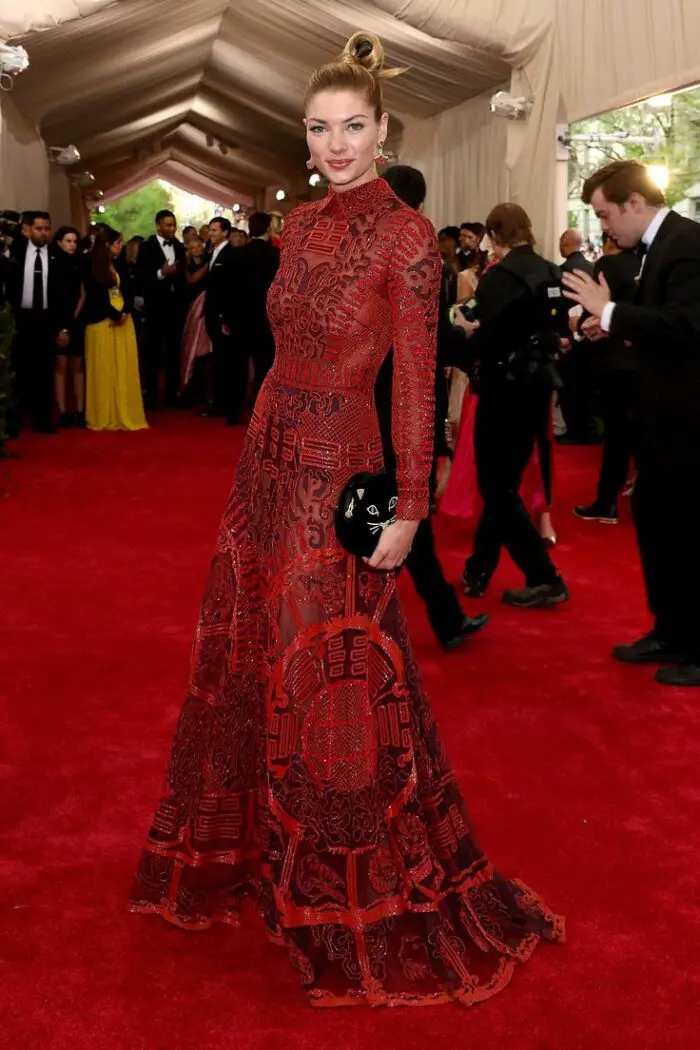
pixel 647 238
pixel 28 286
pixel 215 254
pixel 168 252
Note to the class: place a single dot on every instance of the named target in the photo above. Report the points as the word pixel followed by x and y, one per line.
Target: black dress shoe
pixel 648 650
pixel 470 625
pixel 543 596
pixel 474 584
pixel 684 675
pixel 602 512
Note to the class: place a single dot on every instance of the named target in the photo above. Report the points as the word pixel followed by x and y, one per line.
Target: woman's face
pixel 196 247
pixel 69 243
pixel 343 137
pixel 116 248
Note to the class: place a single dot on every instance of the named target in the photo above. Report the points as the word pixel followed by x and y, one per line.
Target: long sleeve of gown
pixel 414 289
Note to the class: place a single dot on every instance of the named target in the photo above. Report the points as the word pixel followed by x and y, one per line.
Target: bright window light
pixel 659 173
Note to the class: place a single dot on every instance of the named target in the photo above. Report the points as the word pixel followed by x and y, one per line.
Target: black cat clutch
pixel 366 506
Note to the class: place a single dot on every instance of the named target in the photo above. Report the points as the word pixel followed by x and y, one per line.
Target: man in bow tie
pixel 162 274
pixel 663 326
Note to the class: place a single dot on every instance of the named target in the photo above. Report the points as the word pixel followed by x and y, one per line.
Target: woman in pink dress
pixel 196 343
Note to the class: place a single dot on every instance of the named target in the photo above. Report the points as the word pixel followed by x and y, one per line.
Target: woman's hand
pixel 394 545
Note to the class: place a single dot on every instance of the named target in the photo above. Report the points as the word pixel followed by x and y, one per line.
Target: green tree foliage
pixel 133 214
pixel 675 128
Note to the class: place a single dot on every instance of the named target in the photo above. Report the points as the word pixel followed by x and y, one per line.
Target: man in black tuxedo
pixel 576 397
pixel 260 262
pixel 663 324
pixel 617 368
pixel 223 308
pixel 35 287
pixel 447 619
pixel 161 273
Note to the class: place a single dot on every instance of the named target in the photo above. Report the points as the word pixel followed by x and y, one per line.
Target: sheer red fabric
pixel 307 770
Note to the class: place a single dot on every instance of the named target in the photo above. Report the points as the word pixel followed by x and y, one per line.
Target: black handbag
pixel 366 506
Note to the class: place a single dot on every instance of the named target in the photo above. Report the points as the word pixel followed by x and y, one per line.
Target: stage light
pixel 101 209
pixel 236 208
pixel 280 195
pixel 314 179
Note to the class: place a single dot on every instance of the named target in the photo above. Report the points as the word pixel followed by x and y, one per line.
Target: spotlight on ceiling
pixel 280 195
pixel 314 179
pixel 64 155
pixel 85 178
pixel 236 208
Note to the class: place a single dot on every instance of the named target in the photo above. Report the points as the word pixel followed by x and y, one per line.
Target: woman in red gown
pixel 307 770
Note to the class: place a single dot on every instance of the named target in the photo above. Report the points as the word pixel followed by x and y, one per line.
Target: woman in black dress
pixel 70 361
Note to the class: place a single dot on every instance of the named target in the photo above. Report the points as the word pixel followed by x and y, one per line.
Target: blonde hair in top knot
pixel 359 67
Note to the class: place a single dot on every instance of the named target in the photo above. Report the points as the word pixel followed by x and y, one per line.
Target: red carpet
pixel 582 776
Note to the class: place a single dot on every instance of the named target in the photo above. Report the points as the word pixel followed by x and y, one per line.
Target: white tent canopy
pixel 208 92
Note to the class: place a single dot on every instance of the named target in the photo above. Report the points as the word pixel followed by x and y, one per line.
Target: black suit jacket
pixel 620 272
pixel 161 296
pixel 224 296
pixel 260 262
pixel 60 301
pixel 577 261
pixel 664 325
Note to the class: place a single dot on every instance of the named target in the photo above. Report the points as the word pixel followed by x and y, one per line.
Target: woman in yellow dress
pixel 113 394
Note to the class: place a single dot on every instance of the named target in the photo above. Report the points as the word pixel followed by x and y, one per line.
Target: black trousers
pixel 261 346
pixel 33 356
pixel 577 397
pixel 441 603
pixel 619 392
pixel 508 419
pixel 160 348
pixel 444 612
pixel 230 376
pixel 667 520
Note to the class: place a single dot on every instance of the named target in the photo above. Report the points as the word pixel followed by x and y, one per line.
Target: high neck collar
pixel 357 200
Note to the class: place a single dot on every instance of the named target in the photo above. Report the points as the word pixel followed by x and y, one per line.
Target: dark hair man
pixel 663 324
pixel 161 273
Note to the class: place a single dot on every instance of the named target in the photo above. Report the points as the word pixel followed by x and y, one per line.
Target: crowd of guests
pixel 106 331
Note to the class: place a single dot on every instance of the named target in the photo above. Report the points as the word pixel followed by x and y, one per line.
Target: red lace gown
pixel 307 770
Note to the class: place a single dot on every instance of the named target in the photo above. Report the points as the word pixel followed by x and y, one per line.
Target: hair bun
pixel 366 50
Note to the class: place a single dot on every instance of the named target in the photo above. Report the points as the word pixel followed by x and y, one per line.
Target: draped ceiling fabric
pixel 150 88
pixel 634 49
pixel 139 84
pixel 24 174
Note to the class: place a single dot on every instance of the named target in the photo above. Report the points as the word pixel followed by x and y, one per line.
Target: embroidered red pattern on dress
pixel 307 770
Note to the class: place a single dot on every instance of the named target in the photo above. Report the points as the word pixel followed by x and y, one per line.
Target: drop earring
pixel 380 155
pixel 310 164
